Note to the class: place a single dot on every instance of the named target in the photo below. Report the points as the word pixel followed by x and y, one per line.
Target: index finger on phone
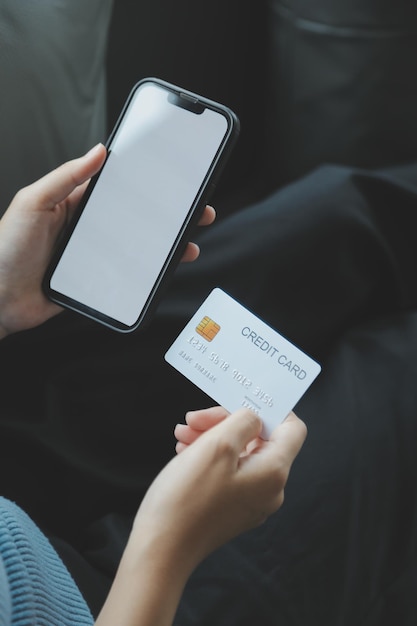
pixel 208 216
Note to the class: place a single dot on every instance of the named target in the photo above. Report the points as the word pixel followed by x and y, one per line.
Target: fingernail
pixel 93 150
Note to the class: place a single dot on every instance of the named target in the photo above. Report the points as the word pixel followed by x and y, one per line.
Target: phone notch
pixel 186 101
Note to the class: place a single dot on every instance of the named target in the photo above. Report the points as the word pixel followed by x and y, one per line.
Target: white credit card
pixel 239 361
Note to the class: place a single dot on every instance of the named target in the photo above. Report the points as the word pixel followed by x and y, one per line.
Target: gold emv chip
pixel 207 328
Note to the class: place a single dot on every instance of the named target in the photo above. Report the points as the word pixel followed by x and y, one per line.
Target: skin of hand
pixel 196 423
pixel 29 230
pixel 227 482
pixel 228 474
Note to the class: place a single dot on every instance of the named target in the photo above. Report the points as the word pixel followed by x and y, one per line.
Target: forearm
pixel 147 588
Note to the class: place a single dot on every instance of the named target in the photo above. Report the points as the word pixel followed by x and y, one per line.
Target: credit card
pixel 240 361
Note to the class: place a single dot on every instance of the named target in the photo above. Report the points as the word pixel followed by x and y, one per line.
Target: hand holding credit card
pixel 239 361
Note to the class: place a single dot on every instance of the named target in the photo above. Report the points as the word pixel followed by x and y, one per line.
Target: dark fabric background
pixel 312 82
pixel 342 85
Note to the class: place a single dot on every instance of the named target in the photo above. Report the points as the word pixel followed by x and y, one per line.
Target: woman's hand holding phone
pixel 29 230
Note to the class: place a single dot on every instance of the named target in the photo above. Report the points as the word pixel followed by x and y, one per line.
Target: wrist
pixel 148 586
pixel 163 553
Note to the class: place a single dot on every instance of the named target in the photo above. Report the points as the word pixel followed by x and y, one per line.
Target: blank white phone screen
pixel 158 159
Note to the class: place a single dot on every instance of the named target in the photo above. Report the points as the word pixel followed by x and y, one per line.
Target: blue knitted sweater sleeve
pixel 35 586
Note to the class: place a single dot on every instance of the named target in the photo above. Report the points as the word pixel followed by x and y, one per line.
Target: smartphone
pixel 137 214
